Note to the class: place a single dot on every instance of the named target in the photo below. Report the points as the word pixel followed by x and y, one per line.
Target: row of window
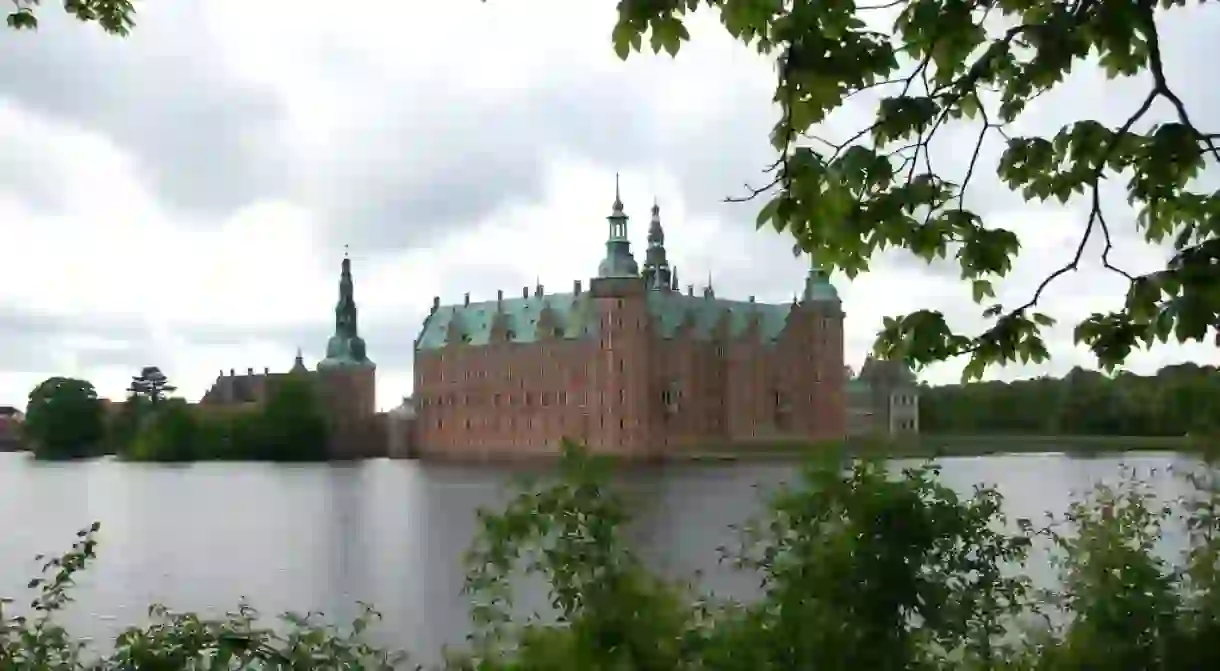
pixel 670 398
pixel 513 373
pixel 551 365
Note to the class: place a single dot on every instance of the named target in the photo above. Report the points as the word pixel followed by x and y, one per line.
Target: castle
pixel 345 382
pixel 631 365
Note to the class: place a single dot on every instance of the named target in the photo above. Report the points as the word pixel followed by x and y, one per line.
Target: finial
pixel 345 250
pixel 299 354
pixel 618 200
pixel 656 209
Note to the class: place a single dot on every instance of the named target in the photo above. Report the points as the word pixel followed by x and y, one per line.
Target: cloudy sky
pixel 182 197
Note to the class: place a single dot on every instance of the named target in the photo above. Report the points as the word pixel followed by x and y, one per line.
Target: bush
pixel 290 427
pixel 859 570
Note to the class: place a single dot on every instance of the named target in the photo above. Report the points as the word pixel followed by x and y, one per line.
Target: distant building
pixel 10 428
pixel 632 365
pixel 883 399
pixel 345 381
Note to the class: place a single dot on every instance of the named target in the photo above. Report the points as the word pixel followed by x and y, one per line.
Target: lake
pixel 321 537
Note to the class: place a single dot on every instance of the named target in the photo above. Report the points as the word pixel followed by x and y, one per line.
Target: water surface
pixel 322 537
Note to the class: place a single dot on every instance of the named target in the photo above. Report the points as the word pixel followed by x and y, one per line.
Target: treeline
pixel 1177 400
pixel 65 419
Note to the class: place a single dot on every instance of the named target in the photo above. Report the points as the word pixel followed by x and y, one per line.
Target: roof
pixel 8 411
pixel 572 314
pixel 574 317
pixel 887 372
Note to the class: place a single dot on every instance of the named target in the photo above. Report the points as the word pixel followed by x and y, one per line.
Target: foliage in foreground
pixel 904 73
pixel 858 568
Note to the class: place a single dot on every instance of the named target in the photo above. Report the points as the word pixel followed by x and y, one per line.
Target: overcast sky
pixel 181 198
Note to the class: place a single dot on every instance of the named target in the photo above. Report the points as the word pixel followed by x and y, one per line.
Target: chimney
pixel 751 299
pixel 690 290
pixel 538 291
pixel 466 300
pixel 266 370
pixel 250 372
pixel 576 287
pixel 499 296
pixel 222 372
pixel 436 303
pixel 231 373
pixel 525 292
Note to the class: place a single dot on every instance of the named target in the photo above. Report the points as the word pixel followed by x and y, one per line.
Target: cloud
pixel 182 197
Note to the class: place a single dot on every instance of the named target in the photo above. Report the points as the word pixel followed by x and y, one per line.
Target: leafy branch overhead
pixel 116 17
pixel 980 62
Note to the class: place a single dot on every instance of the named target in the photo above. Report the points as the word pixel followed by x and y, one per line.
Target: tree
pixel 150 385
pixel 291 426
pixel 173 433
pixel 946 63
pixel 64 419
pixel 116 17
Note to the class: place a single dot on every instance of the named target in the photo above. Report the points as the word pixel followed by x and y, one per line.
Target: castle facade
pixel 629 365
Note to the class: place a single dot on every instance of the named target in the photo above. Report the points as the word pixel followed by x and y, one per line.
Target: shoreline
pixel 908 447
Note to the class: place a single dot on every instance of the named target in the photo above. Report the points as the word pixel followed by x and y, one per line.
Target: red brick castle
pixel 631 365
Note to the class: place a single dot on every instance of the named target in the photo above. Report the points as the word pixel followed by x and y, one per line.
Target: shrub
pixel 859 568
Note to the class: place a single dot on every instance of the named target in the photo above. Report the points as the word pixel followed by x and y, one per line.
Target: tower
pixel 347 379
pixel 656 272
pixel 618 261
pixel 346 348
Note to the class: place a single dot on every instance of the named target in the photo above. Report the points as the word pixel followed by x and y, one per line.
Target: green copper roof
pixel 670 310
pixel 574 317
pixel 818 286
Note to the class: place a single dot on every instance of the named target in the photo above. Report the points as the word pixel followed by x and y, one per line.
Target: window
pixel 495 400
pixel 529 398
pixel 620 365
pixel 621 423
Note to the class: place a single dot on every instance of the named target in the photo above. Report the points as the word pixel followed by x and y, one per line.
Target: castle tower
pixel 347 377
pixel 656 272
pixel 618 262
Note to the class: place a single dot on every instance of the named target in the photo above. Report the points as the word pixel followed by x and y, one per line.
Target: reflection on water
pixel 320 537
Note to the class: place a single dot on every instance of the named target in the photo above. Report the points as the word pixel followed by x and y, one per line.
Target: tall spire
pixel 346 347
pixel 656 266
pixel 618 261
pixel 345 309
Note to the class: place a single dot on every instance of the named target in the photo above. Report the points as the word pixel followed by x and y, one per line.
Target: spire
pixel 345 347
pixel 618 261
pixel 709 291
pixel 298 365
pixel 656 266
pixel 345 309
